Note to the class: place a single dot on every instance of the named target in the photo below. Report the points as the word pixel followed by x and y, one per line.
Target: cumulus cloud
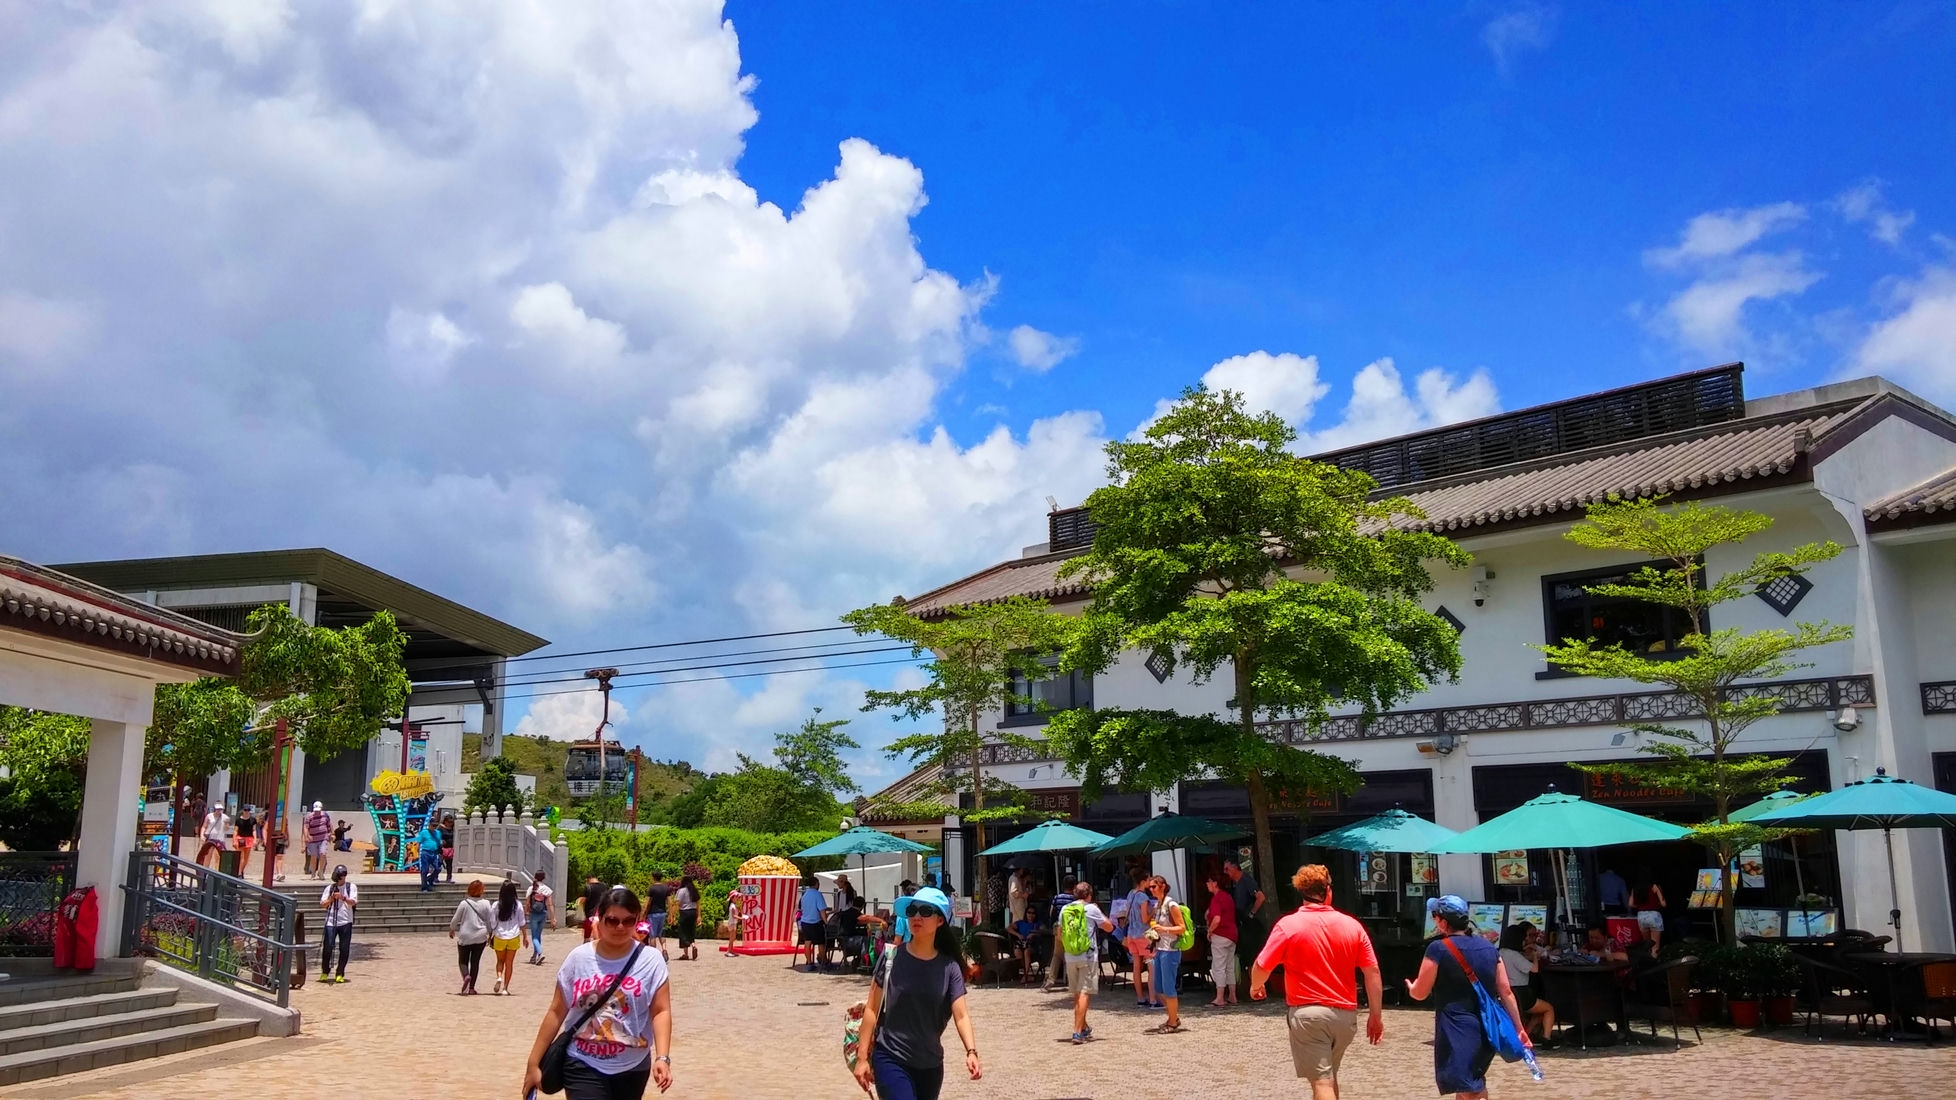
pixel 424 343
pixel 1916 344
pixel 1721 233
pixel 1381 408
pixel 1863 204
pixel 1517 30
pixel 572 715
pixel 565 332
pixel 1284 383
pixel 1040 351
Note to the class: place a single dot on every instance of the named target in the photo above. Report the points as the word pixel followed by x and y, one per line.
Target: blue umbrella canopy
pixel 1392 831
pixel 1556 820
pixel 863 840
pixel 1881 801
pixel 1159 834
pixel 1778 800
pixel 1049 836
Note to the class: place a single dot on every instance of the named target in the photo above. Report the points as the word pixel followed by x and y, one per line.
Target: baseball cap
pixel 1449 906
pixel 319 805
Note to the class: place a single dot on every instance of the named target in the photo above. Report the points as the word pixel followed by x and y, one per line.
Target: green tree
pixel 204 727
pixel 1706 667
pixel 333 687
pixel 493 787
pixel 813 755
pixel 1217 548
pixel 976 655
pixel 688 811
pixel 760 798
pixel 46 757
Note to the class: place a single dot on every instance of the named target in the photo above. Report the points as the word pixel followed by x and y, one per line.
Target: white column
pixel 1453 807
pixel 108 828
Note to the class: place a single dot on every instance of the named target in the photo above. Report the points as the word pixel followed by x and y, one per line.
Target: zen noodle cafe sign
pixel 1620 790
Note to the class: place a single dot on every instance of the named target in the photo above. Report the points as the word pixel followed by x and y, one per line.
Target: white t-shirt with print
pixel 619 1035
pixel 340 912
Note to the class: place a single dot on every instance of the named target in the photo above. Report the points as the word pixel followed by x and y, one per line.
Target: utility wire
pixel 463 662
pixel 729 676
pixel 538 676
pixel 724 664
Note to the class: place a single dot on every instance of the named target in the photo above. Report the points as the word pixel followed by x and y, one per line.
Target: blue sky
pixel 632 323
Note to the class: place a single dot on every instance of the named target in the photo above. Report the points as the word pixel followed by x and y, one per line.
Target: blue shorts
pixel 1167 967
pixel 656 923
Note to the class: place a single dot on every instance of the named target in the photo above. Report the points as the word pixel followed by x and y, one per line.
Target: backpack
pixel 1187 939
pixel 1075 934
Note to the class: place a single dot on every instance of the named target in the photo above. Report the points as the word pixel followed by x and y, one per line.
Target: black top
pixel 917 1001
pixel 1450 984
pixel 247 826
pixel 592 892
pixel 655 897
pixel 1243 893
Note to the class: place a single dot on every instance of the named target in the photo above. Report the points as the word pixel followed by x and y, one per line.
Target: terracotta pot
pixel 1745 1013
pixel 1705 1007
pixel 1779 1011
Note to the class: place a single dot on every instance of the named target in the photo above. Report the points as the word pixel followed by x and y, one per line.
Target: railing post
pixel 132 906
pixel 202 948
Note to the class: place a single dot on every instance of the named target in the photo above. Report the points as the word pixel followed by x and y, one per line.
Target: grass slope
pixel 544 758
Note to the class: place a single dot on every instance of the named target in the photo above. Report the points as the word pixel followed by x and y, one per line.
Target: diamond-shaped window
pixel 1783 594
pixel 1160 667
pixel 1452 619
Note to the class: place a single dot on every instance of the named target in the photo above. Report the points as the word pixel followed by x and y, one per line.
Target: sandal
pixel 1165 1029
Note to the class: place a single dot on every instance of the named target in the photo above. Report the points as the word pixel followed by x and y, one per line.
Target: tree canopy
pixel 1707 666
pixel 333 687
pixel 46 756
pixel 1216 548
pixel 493 787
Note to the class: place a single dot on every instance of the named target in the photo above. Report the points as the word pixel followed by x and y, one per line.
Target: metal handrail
pixel 200 913
pixel 32 885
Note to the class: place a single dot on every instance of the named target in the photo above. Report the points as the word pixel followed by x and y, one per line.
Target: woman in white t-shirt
pixel 1521 959
pixel 629 1039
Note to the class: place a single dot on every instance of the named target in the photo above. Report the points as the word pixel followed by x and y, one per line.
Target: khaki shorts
pixel 1082 974
pixel 1319 1035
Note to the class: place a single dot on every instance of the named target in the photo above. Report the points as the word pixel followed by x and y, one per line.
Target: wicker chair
pixel 1825 997
pixel 1664 996
pixel 995 959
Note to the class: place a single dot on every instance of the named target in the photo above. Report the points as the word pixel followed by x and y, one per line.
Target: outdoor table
pixel 1892 964
pixel 1586 993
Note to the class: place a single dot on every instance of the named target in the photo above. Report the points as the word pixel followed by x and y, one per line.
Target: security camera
pixel 1848 720
pixel 1482 575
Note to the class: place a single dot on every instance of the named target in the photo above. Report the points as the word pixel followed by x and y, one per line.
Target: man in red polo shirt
pixel 1319 948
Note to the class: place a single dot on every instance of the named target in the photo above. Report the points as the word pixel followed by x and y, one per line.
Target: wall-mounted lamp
pixel 1848 720
pixel 1483 584
pixel 1442 745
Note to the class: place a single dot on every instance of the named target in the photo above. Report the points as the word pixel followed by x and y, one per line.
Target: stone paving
pixel 749 1027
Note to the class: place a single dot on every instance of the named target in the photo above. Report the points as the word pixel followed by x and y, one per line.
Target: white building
pixel 1863 463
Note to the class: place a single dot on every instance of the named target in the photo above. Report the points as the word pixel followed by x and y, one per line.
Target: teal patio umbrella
pixel 1776 801
pixel 1049 836
pixel 1392 831
pixel 1556 821
pixel 1880 802
pixel 862 842
pixel 1171 830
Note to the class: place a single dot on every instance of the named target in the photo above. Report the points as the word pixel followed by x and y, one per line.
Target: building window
pixel 1035 699
pixel 1641 627
pixel 1783 594
pixel 1451 620
pixel 1160 667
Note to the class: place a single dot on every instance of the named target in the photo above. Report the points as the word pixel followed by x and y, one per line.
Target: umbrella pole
pixel 1800 884
pixel 1894 888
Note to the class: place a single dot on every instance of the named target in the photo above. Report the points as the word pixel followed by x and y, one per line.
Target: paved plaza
pixel 748 1028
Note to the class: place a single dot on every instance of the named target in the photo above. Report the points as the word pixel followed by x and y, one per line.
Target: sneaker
pixel 1080 1037
pixel 340 980
pixel 499 987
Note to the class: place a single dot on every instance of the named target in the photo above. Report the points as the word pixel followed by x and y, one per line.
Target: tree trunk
pixel 977 827
pixel 1266 859
pixel 1728 917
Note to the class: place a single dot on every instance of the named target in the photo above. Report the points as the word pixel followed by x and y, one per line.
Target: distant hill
pixel 544 758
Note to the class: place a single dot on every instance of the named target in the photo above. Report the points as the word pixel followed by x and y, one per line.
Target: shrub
pixel 710 855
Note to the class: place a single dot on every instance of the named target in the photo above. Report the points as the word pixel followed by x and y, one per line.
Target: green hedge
pixel 637 859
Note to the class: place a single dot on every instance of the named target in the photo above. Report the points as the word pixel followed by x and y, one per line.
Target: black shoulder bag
pixel 558 1052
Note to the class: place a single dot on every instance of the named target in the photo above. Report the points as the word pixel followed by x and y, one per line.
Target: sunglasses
pixel 922 909
pixel 620 922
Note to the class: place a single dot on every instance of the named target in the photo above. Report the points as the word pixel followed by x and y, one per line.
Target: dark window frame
pixel 1079 694
pixel 1677 623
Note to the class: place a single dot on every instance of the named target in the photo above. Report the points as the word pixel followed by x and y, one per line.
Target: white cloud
pixel 1916 345
pixel 570 715
pixel 1380 407
pixel 424 343
pixel 1862 205
pixel 1284 383
pixel 565 332
pixel 1708 315
pixel 1721 233
pixel 1518 29
pixel 36 331
pixel 1040 351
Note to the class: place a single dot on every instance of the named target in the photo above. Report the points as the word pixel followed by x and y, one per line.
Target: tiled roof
pixel 1757 449
pixel 43 601
pixel 1034 577
pixel 1932 501
pixel 921 785
pixel 1679 463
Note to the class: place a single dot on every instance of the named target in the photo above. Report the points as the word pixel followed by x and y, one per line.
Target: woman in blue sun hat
pixel 912 995
pixel 1461 1051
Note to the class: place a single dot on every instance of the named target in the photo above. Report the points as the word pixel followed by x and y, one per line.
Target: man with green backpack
pixel 1078 923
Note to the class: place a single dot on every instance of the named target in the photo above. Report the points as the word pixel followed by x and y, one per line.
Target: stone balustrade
pixel 504 842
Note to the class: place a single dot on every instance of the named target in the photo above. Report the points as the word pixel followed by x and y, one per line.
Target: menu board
pixel 1487 918
pixel 1511 868
pixel 1536 915
pixel 1801 923
pixel 1758 922
pixel 1381 873
pixel 1709 891
pixel 1752 868
pixel 1426 869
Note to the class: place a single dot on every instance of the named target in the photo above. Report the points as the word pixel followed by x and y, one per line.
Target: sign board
pixel 1758 922
pixel 1511 868
pixel 1752 868
pixel 1621 790
pixel 1426 869
pixel 1381 871
pixel 1064 801
pixel 1487 918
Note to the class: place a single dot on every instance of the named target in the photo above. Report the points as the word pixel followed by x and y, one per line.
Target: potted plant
pixel 1727 969
pixel 1705 1002
pixel 1778 980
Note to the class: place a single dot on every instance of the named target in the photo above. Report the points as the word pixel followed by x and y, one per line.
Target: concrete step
pixel 28 990
pixel 74 1032
pixel 40 1013
pixel 34 1065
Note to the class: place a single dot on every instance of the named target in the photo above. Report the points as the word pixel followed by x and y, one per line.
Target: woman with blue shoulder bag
pixel 1461 971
